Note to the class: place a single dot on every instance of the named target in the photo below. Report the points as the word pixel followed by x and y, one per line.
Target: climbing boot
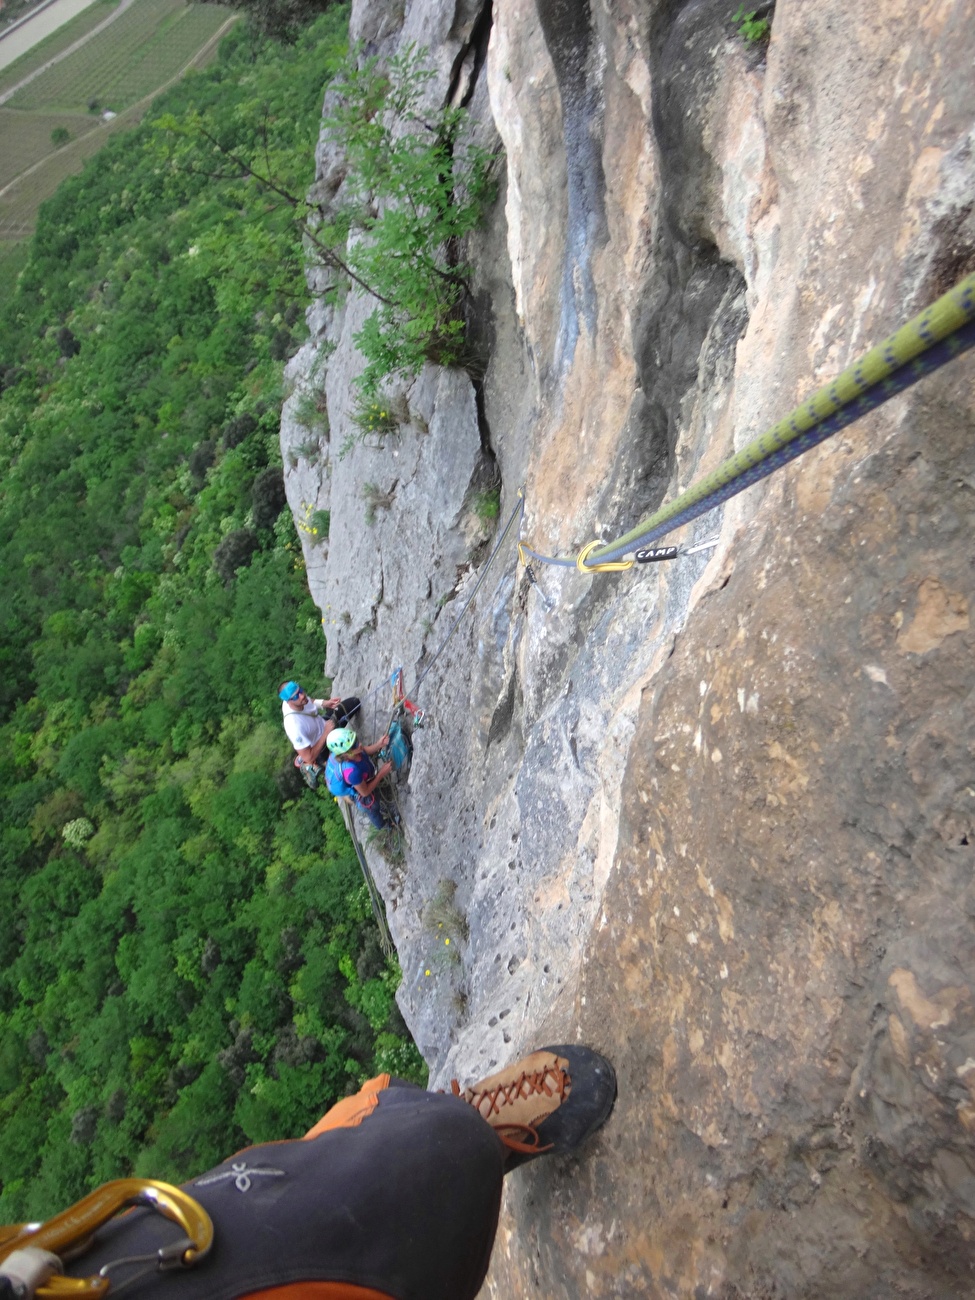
pixel 310 773
pixel 550 1101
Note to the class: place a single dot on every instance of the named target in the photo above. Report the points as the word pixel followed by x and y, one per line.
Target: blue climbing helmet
pixel 341 740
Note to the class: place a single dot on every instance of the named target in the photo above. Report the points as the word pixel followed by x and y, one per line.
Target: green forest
pixel 189 961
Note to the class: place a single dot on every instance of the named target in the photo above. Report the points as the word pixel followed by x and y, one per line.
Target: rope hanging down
pixel 937 335
pixel 378 912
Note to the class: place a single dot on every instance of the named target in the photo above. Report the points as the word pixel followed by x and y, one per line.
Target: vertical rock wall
pixel 715 818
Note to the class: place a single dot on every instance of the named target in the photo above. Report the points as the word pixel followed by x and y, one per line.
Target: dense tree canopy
pixel 282 19
pixel 187 957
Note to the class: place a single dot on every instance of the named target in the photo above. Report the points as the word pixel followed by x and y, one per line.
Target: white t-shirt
pixel 304 726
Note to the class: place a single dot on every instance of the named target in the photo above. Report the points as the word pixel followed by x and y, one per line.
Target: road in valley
pixel 33 27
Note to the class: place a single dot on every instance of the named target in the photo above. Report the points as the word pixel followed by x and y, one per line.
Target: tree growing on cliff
pixel 415 186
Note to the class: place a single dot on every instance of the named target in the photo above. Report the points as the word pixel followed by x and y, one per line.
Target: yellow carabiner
pixel 611 566
pixel 74 1227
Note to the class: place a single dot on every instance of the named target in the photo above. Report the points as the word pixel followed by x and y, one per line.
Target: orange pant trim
pixel 351 1111
pixel 347 1113
pixel 318 1291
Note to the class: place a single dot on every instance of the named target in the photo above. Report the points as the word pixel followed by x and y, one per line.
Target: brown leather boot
pixel 549 1101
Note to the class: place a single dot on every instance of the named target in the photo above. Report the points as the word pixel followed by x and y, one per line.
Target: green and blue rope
pixel 930 340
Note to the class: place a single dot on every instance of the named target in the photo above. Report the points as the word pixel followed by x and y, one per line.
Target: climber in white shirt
pixel 308 722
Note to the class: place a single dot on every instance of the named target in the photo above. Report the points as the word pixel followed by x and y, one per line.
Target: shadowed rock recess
pixel 714 818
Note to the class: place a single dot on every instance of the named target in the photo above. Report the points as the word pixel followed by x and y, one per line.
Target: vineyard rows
pixel 18 209
pixel 143 48
pixel 26 137
pixel 57 41
pixel 171 35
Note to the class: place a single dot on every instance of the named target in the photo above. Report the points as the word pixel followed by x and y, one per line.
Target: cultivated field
pixel 57 41
pixel 25 137
pixel 121 68
pixel 19 204
pixel 146 46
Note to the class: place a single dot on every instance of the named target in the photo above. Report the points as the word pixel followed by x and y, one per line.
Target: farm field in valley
pixel 132 57
pixel 19 202
pixel 120 68
pixel 59 40
pixel 25 137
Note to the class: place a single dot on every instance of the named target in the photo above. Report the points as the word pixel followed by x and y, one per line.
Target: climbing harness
pixel 30 1254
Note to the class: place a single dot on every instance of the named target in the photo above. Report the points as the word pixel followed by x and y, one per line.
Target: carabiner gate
pixel 75 1226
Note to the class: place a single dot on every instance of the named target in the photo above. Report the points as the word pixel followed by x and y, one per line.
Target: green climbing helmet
pixel 341 740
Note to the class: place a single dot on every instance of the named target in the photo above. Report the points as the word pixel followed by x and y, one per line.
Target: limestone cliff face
pixel 716 818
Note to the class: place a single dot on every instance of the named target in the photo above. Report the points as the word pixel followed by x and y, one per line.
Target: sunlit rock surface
pixel 715 818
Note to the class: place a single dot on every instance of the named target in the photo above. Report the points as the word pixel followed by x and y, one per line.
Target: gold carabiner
pixel 608 566
pixel 75 1226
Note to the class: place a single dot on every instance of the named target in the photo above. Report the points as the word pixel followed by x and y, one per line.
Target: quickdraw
pixel 30 1254
pixel 533 580
pixel 654 554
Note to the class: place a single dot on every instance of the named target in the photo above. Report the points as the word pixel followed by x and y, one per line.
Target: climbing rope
pixel 399 694
pixel 930 340
pixel 936 336
pixel 385 938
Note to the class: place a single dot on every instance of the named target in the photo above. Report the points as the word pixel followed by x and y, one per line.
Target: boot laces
pixel 550 1082
pixel 527 1145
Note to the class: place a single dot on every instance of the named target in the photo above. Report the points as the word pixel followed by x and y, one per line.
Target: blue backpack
pixel 335 781
pixel 400 747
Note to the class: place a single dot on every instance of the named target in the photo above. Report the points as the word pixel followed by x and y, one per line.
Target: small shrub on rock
pixel 416 186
